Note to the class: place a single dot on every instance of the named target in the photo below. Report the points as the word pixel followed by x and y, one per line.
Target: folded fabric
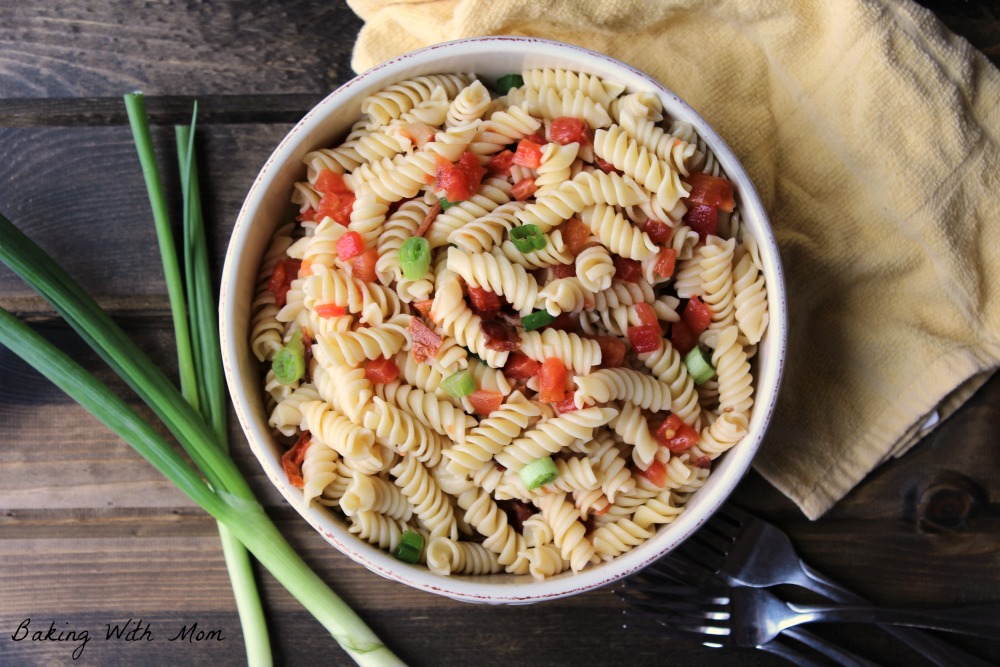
pixel 871 134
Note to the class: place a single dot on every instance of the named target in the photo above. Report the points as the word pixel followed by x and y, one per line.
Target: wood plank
pixel 97 48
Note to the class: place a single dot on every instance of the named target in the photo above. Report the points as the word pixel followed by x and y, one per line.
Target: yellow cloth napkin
pixel 871 133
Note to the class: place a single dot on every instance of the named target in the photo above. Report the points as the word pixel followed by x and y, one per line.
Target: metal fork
pixel 692 576
pixel 743 549
pixel 742 616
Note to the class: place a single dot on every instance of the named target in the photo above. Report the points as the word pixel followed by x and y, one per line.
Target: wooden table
pixel 90 535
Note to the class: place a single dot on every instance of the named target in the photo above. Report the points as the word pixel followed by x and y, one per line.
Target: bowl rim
pixel 469 589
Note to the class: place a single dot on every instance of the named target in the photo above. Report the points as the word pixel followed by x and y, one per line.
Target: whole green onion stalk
pixel 214 482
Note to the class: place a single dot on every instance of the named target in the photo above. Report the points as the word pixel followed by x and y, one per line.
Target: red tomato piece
pixel 569 130
pixel 520 366
pixel 460 180
pixel 711 191
pixel 485 402
pixel 563 322
pixel 426 343
pixel 536 138
pixel 629 270
pixel 349 246
pixel 524 189
pixel 381 370
pixel 658 232
pixel 484 302
pixel 656 473
pixel 682 338
pixel 337 206
pixel 282 275
pixel 292 460
pixel 552 381
pixel 697 315
pixel 305 268
pixel 424 307
pixel 666 262
pixel 500 163
pixel 647 316
pixel 645 338
pixel 703 462
pixel 566 405
pixel 329 181
pixel 575 234
pixel 364 266
pixel 612 351
pixel 330 310
pixel 564 270
pixel 306 215
pixel 703 219
pixel 528 154
pixel 605 166
pixel 675 435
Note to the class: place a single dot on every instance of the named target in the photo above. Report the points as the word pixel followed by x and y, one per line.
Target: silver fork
pixel 743 549
pixel 743 616
pixel 673 570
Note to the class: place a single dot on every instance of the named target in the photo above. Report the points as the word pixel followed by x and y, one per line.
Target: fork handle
pixel 967 621
pixel 936 650
pixel 840 655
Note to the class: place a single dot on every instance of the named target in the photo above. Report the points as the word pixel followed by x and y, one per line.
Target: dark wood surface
pixel 91 535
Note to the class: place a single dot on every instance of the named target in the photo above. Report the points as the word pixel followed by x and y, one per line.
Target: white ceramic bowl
pixel 267 204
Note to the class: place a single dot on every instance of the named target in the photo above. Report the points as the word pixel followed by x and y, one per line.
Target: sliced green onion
pixel 415 257
pixel 699 366
pixel 445 204
pixel 537 319
pixel 508 81
pixel 538 473
pixel 289 363
pixel 527 238
pixel 409 548
pixel 459 384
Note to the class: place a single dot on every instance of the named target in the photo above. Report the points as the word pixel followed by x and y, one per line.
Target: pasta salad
pixel 511 326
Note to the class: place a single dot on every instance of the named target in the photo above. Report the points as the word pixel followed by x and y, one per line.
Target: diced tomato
pixel 658 232
pixel 647 316
pixel 500 163
pixel 675 435
pixel 282 275
pixel 485 303
pixel 575 234
pixel 305 268
pixel 528 154
pixel 564 270
pixel 292 460
pixel 419 134
pixel 682 338
pixel 424 307
pixel 703 462
pixel 520 366
pixel 566 405
pixel 568 130
pixel 697 315
pixel 605 166
pixel 703 219
pixel 381 370
pixel 460 180
pixel 349 246
pixel 329 181
pixel 612 351
pixel 536 138
pixel 644 338
pixel 364 266
pixel 426 343
pixel 552 380
pixel 629 270
pixel 656 473
pixel 524 189
pixel 307 215
pixel 337 206
pixel 432 214
pixel 563 322
pixel 666 262
pixel 330 310
pixel 711 191
pixel 485 402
